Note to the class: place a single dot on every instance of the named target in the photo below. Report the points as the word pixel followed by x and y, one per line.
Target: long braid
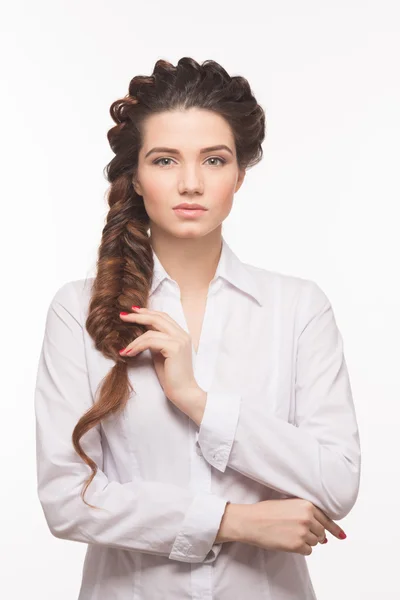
pixel 125 260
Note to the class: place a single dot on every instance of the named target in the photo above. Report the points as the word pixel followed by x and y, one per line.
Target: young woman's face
pixel 183 172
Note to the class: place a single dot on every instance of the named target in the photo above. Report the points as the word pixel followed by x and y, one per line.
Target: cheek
pixel 224 190
pixel 158 190
pixel 154 187
pixel 224 184
pixel 224 206
pixel 155 194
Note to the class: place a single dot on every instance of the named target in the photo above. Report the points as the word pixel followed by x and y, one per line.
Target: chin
pixel 189 232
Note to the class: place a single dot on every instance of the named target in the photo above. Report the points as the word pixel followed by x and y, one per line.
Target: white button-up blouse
pixel 279 422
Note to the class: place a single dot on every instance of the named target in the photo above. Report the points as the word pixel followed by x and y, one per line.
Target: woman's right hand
pixel 288 524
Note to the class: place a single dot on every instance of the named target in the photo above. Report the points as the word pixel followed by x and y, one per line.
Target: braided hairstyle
pixel 125 261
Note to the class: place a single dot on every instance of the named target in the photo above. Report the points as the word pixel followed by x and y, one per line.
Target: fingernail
pixel 123 313
pixel 325 541
pixel 342 535
pixel 136 307
pixel 123 350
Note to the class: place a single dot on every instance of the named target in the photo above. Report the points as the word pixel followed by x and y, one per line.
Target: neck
pixel 191 262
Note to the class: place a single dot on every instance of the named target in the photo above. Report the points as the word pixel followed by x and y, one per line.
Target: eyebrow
pixel 202 151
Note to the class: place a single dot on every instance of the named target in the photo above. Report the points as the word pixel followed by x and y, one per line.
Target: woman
pixel 195 422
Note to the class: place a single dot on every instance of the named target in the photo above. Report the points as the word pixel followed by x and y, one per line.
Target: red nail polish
pixel 342 535
pixel 123 350
pixel 325 541
pixel 136 307
pixel 123 313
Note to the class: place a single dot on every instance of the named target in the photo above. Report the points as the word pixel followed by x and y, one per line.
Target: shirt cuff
pixel 195 541
pixel 218 427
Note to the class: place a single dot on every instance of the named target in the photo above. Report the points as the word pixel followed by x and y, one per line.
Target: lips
pixel 190 213
pixel 186 206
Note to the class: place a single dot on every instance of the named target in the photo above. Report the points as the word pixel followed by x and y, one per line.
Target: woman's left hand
pixel 171 349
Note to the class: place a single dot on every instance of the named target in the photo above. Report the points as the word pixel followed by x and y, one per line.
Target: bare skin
pixel 189 250
pixel 289 524
pixel 194 308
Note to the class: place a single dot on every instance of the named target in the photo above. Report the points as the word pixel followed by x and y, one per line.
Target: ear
pixel 240 179
pixel 137 187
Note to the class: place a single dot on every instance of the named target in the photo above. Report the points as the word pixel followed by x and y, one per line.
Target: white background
pixel 323 204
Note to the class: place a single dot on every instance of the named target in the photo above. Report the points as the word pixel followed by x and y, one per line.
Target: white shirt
pixel 279 422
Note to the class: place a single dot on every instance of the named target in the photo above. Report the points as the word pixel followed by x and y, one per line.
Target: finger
pixel 164 315
pixel 143 310
pixel 306 549
pixel 154 320
pixel 139 344
pixel 329 525
pixel 323 539
pixel 151 340
pixel 317 529
pixel 311 539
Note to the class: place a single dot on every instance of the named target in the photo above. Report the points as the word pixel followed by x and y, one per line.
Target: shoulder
pixel 291 290
pixel 73 296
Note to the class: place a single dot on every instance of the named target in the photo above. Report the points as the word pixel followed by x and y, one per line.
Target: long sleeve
pixel 146 516
pixel 318 457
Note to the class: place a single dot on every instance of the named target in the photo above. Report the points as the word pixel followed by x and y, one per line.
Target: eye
pixel 158 161
pixel 221 160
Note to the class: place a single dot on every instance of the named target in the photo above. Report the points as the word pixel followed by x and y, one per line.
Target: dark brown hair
pixel 125 260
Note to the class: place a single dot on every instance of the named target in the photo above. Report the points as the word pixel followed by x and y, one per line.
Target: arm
pixel 147 516
pixel 318 458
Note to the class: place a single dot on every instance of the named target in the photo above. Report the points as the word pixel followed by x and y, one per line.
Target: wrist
pixel 198 403
pixel 233 523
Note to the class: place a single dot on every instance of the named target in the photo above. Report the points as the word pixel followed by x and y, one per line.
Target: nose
pixel 191 180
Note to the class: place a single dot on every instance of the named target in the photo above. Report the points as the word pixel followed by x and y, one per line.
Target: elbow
pixel 61 528
pixel 341 505
pixel 60 532
pixel 59 516
pixel 341 488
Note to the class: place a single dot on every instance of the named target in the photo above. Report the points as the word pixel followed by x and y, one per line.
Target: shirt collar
pixel 230 268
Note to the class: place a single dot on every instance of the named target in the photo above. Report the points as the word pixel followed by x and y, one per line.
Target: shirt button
pixel 198 449
pixel 217 454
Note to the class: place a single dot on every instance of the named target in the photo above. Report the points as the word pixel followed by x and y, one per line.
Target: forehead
pixel 189 128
